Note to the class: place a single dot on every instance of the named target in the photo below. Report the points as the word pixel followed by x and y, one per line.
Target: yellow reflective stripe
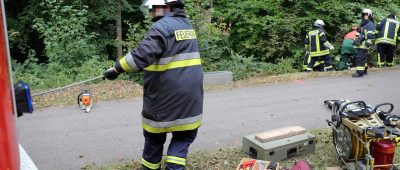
pixel 386 40
pixel 172 65
pixel 320 53
pixel 176 160
pixel 379 59
pixel 361 68
pixel 396 31
pixel 171 129
pixel 318 43
pixel 386 29
pixel 125 65
pixel 329 67
pixel 151 165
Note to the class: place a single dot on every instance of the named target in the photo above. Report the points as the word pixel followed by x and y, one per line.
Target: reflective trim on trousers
pixel 320 53
pixel 361 68
pixel 176 160
pixel 151 165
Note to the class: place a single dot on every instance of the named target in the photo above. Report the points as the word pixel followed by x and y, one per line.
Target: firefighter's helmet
pixel 319 23
pixel 150 3
pixel 368 12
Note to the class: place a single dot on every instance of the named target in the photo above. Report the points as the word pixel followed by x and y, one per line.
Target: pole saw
pixel 84 99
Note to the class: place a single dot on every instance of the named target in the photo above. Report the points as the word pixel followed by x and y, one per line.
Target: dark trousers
pixel 385 54
pixel 344 63
pixel 177 150
pixel 361 60
pixel 326 58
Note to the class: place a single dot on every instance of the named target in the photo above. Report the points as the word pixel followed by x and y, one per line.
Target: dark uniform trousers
pixel 326 58
pixel 177 150
pixel 361 60
pixel 385 54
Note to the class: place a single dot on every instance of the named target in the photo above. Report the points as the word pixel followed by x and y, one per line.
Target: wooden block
pixel 280 133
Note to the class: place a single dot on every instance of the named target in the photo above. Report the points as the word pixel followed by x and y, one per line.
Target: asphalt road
pixel 67 138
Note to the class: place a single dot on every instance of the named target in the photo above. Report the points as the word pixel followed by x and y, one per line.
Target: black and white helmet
pixel 319 23
pixel 150 3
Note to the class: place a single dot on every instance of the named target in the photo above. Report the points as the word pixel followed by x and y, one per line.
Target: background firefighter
pixel 173 83
pixel 348 53
pixel 387 32
pixel 318 47
pixel 364 41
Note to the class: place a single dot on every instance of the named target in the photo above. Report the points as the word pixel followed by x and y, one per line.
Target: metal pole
pixel 68 86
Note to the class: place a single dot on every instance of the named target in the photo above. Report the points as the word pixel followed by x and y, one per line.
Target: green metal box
pixel 280 149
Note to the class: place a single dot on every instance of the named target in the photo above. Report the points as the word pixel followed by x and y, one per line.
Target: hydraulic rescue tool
pixel 364 136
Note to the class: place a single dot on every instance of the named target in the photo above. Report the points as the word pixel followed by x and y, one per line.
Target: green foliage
pixel 45 76
pixel 269 30
pixel 76 38
pixel 135 34
pixel 244 67
pixel 65 37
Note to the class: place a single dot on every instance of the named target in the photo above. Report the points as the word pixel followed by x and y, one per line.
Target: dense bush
pixel 54 43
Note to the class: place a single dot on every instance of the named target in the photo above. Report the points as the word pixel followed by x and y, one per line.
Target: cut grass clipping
pixel 229 158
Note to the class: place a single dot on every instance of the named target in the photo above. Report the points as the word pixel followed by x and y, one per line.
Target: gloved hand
pixel 357 42
pixel 111 74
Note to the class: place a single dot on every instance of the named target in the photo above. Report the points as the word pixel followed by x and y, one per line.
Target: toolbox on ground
pixel 281 148
pixel 253 164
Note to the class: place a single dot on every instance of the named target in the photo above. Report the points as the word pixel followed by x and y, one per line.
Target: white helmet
pixel 150 3
pixel 319 22
pixel 367 11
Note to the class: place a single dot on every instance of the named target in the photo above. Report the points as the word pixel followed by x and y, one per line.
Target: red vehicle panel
pixel 9 153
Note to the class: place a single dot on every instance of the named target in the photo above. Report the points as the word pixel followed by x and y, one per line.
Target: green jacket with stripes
pixel 173 75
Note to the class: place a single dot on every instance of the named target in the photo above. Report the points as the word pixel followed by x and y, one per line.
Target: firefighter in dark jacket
pixel 364 41
pixel 318 47
pixel 388 36
pixel 173 83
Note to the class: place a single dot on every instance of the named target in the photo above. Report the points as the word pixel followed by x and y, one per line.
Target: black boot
pixel 357 75
pixel 365 72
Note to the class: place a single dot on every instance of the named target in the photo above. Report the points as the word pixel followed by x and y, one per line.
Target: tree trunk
pixel 119 28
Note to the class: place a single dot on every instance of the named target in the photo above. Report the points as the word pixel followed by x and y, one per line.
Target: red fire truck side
pixel 9 152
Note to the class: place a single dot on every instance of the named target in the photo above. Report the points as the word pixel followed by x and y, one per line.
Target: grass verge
pixel 229 158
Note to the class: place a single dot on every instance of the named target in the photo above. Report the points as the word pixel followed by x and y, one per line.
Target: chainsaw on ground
pixel 85 101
